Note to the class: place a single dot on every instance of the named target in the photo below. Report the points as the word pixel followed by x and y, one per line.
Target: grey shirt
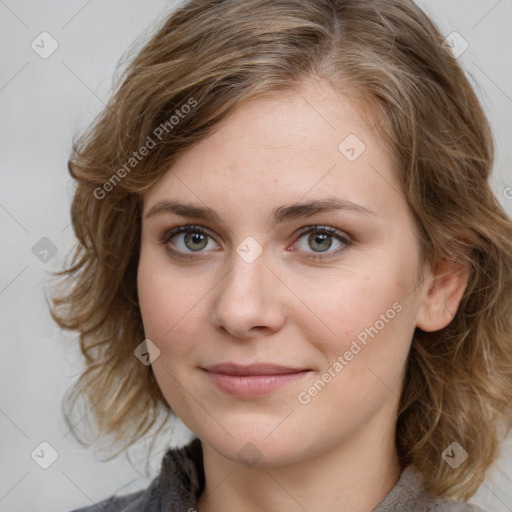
pixel 181 481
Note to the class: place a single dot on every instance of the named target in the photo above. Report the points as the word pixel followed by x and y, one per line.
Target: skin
pixel 337 451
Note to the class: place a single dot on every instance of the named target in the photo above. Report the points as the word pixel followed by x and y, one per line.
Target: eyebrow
pixel 281 214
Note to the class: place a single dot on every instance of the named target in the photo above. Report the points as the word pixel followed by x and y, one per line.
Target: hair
pixel 217 55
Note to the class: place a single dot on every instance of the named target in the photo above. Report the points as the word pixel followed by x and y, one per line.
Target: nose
pixel 248 299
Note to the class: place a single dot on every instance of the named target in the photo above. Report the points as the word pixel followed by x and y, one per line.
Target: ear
pixel 441 294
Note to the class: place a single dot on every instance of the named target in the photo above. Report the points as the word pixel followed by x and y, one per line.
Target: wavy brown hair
pixel 389 56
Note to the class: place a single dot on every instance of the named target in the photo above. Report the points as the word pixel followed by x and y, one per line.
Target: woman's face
pixel 340 302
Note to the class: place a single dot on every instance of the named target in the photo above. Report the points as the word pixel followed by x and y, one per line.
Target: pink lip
pixel 252 369
pixel 254 379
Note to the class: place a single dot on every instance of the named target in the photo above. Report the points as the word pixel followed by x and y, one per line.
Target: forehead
pixel 306 143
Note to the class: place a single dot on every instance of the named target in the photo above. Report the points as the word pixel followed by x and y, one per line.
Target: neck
pixel 352 476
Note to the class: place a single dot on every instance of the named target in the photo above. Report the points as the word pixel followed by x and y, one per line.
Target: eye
pixel 184 241
pixel 321 239
pixel 188 240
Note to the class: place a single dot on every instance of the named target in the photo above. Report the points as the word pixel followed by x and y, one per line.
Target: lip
pixel 254 379
pixel 253 369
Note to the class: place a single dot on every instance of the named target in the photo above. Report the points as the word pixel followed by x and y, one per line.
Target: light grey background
pixel 43 103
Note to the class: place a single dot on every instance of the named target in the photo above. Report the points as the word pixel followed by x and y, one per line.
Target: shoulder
pixel 127 503
pixel 178 485
pixel 454 506
pixel 409 495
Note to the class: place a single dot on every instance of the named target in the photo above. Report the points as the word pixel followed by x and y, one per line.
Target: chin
pixel 251 449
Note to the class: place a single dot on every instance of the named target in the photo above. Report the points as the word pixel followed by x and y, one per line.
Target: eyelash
pixel 343 238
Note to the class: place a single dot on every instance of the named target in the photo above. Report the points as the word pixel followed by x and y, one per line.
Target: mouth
pixel 254 379
pixel 253 369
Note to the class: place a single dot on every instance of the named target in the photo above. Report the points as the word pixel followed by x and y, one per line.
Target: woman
pixel 287 238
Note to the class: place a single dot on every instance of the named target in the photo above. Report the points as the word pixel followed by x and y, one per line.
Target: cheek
pixel 367 320
pixel 167 299
pixel 349 304
pixel 169 312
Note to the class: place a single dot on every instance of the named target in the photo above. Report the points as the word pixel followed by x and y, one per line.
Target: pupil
pixel 321 239
pixel 195 238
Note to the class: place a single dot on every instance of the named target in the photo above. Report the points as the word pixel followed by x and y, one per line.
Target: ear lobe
pixel 442 292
